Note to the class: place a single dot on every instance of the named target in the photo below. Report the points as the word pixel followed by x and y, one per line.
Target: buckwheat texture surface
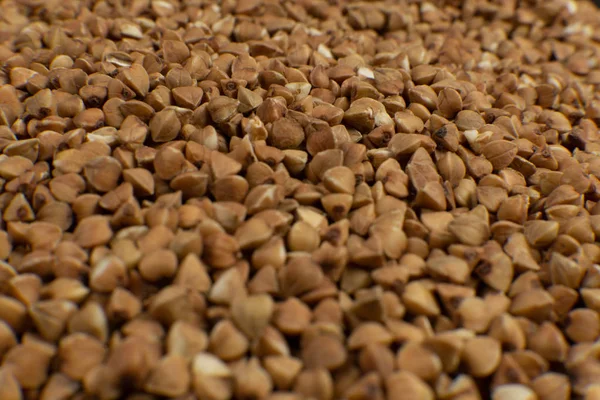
pixel 299 200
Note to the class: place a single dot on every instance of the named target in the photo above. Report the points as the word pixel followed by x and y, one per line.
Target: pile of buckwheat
pixel 299 199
